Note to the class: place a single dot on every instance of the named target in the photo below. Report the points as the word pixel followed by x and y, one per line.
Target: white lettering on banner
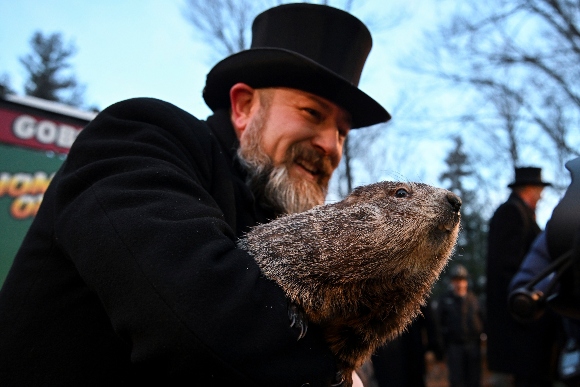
pixel 66 136
pixel 23 127
pixel 46 132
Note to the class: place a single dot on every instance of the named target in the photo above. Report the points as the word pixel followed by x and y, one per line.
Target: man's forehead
pixel 534 187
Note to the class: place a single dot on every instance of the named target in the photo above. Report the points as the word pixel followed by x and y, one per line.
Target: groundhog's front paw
pixel 340 380
pixel 298 319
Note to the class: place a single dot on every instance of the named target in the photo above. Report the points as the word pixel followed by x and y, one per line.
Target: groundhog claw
pixel 339 379
pixel 298 319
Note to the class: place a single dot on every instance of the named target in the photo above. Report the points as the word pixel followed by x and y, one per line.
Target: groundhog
pixel 362 267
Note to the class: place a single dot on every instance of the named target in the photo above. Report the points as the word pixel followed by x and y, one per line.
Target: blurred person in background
pixel 461 325
pixel 521 352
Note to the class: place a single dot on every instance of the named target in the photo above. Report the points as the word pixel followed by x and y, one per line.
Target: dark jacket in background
pixel 461 325
pixel 460 318
pixel 513 347
pixel 130 271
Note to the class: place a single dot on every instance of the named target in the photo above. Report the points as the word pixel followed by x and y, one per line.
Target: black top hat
pixel 310 47
pixel 528 176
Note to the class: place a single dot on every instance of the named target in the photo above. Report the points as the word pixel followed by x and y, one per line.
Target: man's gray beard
pixel 290 194
pixel 274 185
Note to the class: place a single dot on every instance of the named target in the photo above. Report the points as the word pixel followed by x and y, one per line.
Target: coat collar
pixel 221 125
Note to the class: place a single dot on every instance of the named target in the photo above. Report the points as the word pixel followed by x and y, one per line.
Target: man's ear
pixel 244 100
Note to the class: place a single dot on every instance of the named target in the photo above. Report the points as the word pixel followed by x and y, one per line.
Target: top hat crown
pixel 528 176
pixel 310 47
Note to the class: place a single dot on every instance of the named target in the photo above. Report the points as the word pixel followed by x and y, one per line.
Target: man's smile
pixel 308 168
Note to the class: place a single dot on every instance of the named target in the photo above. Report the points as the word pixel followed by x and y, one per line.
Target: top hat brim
pixel 276 67
pixel 531 182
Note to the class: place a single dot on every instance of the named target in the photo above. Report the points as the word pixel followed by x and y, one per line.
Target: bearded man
pixel 130 272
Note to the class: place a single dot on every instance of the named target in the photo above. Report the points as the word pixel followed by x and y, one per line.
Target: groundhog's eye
pixel 401 193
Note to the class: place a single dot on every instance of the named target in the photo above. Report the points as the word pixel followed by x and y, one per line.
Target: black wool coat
pixel 512 347
pixel 130 271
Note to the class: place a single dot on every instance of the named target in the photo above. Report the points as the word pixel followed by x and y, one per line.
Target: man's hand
pixel 356 382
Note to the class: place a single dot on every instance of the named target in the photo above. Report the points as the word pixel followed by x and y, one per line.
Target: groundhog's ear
pixel 357 193
pixel 350 199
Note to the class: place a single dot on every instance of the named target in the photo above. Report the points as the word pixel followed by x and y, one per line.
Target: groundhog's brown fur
pixel 362 267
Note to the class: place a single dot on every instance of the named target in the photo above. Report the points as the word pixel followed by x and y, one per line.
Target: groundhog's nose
pixel 454 200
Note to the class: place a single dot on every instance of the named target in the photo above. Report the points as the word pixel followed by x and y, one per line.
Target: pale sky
pixel 146 48
pixel 128 48
pixel 134 48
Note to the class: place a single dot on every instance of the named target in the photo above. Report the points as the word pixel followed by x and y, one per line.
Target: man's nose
pixel 328 142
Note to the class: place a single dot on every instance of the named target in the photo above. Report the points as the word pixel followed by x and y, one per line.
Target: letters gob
pixel 26 127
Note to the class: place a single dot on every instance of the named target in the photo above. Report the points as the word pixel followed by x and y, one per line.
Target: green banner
pixel 24 177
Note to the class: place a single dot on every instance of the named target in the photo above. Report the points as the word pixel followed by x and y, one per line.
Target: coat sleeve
pixel 136 217
pixel 534 262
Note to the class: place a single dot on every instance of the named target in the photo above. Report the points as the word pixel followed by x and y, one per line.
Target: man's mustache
pixel 311 160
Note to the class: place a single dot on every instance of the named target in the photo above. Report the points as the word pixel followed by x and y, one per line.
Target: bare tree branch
pixel 521 58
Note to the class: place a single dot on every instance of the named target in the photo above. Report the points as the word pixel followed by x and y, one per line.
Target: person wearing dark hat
pixel 461 325
pixel 536 289
pixel 522 352
pixel 130 272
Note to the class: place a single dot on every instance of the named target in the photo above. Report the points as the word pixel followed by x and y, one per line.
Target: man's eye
pixel 401 193
pixel 314 113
